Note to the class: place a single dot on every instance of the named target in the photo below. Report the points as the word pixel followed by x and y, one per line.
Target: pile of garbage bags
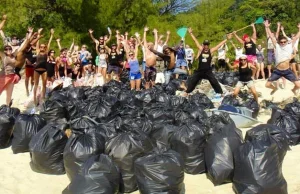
pixel 108 139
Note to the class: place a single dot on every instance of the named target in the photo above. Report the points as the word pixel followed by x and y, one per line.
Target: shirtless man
pixel 150 57
pixel 283 55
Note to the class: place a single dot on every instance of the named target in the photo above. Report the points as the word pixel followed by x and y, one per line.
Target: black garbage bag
pixel 219 76
pixel 145 96
pixel 98 109
pixel 160 172
pixel 124 76
pixel 53 111
pixel 268 104
pixel 60 96
pixel 82 123
pixel 25 128
pixel 253 105
pixel 160 116
pixel 230 100
pixel 107 130
pixel 293 108
pixel 112 83
pixel 11 110
pixel 177 101
pixel 202 100
pixel 46 149
pixel 137 123
pixel 162 135
pixel 189 141
pixel 171 88
pixel 162 98
pixel 182 117
pixel 258 167
pixel 124 149
pixel 98 175
pixel 217 121
pixel 76 109
pixel 261 132
pixel 7 122
pixel 80 147
pixel 288 122
pixel 229 79
pixel 75 93
pixel 218 152
pixel 196 112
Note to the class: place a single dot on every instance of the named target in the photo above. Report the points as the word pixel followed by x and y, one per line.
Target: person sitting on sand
pixel 283 55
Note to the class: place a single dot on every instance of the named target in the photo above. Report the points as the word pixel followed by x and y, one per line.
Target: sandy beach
pixel 18 178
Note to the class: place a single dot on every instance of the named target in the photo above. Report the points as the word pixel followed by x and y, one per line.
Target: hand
pixel 91 31
pixel 30 29
pixel 105 38
pixel 4 17
pixel 155 30
pixel 267 24
pixel 234 32
pixel 229 36
pixel 52 31
pixel 117 32
pixel 190 30
pixel 146 29
pixel 40 30
pixel 126 33
pixel 161 36
pixel 137 34
pixel 281 28
pixel 168 32
pixel 253 25
pixel 278 24
pixel 58 40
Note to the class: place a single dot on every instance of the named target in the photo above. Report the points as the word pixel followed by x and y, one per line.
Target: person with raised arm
pixel 40 69
pixel 150 58
pixel 238 52
pixel 12 41
pixel 113 61
pixel 101 61
pixel 260 61
pixel 160 44
pixel 250 47
pixel 283 55
pixel 271 49
pixel 204 70
pixel 189 56
pixel 12 63
pixel 102 39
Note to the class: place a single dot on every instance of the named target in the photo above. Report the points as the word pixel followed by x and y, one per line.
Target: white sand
pixel 18 178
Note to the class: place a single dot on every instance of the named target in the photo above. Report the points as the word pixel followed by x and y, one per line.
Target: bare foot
pixel 274 90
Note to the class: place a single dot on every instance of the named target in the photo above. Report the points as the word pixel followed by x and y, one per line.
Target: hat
pixel 245 36
pixel 166 46
pixel 206 42
pixel 243 56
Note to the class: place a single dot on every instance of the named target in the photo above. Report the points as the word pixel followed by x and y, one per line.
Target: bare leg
pixel 294 69
pixel 236 91
pixel 132 84
pixel 26 85
pixel 36 77
pixel 138 85
pixel 271 86
pixel 269 69
pixel 9 91
pixel 257 70
pixel 262 70
pixel 44 82
pixel 296 87
pixel 253 91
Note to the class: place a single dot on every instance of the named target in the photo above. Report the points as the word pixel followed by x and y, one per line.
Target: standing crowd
pixel 160 62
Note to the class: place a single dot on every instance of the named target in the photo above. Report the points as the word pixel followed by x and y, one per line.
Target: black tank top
pixel 205 60
pixel 113 58
pixel 245 73
pixel 250 48
pixel 30 57
pixel 41 61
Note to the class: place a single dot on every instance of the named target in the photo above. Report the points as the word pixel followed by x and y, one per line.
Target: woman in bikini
pixel 51 66
pixel 11 65
pixel 40 69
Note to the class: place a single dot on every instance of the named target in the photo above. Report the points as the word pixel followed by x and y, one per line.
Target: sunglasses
pixel 42 46
pixel 8 49
pixel 130 54
pixel 101 39
pixel 83 47
pixel 243 59
pixel 282 42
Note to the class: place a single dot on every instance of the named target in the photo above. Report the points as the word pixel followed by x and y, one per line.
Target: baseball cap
pixel 206 42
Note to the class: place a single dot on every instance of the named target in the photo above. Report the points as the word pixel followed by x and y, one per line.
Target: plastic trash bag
pixel 80 147
pixel 98 175
pixel 293 108
pixel 258 167
pixel 53 111
pixel 82 123
pixel 253 105
pixel 11 110
pixel 46 149
pixel 201 100
pixel 160 172
pixel 162 135
pixel 229 79
pixel 124 149
pixel 189 141
pixel 7 122
pixel 217 121
pixel 25 128
pixel 219 151
pixel 287 122
pixel 230 100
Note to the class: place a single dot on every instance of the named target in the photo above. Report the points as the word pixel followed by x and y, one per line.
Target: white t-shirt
pixel 221 53
pixel 189 54
pixel 283 53
pixel 270 44
pixel 160 48
pixel 238 53
pixel 296 44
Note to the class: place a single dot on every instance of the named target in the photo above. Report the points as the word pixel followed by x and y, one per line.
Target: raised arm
pixel 278 30
pixel 254 37
pixel 136 52
pixel 168 37
pixel 158 53
pixel 92 36
pixel 4 17
pixel 26 42
pixel 72 45
pixel 155 39
pixel 283 33
pixel 58 44
pixel 297 35
pixel 229 36
pixel 109 36
pixel 195 39
pixel 269 33
pixel 107 48
pixel 145 37
pixel 233 44
pixel 38 40
pixel 237 37
pixel 50 39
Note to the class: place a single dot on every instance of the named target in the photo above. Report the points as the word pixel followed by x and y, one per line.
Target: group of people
pixel 160 62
